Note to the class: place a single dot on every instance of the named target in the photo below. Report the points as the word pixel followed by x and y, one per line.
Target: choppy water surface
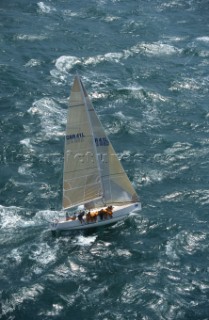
pixel 145 65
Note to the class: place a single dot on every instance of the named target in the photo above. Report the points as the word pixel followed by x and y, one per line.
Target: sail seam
pixel 112 174
pixel 79 187
pixel 80 169
pixel 76 105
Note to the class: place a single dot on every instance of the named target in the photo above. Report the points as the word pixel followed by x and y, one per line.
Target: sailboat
pixel 93 177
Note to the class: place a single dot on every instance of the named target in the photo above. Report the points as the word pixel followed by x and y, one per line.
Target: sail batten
pixel 88 149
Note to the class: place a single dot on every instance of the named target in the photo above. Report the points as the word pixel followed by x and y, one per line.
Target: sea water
pixel 145 65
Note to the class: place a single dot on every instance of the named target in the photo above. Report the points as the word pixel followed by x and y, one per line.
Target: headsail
pixel 81 177
pixel 117 188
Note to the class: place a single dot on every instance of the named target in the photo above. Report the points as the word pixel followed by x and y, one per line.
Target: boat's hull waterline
pixel 119 213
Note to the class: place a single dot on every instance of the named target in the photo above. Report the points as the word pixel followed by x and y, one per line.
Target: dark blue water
pixel 145 65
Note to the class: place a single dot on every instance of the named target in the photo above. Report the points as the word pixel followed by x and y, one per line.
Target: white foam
pixel 155 48
pixel 44 8
pixel 15 255
pixel 110 18
pixel 178 147
pixel 155 96
pixel 132 125
pixel 43 255
pixel 110 56
pixel 185 84
pixel 44 106
pixel 191 242
pixel 33 63
pixel 155 175
pixel 25 169
pixel 172 196
pixel 124 252
pixel 10 217
pixel 50 115
pixel 70 13
pixel 23 294
pixel 66 63
pixel 27 143
pixel 55 310
pixel 74 266
pixel 202 196
pixel 126 154
pixel 48 216
pixel 170 250
pixel 174 38
pixel 203 39
pixel 85 241
pixel 97 95
pixel 152 117
pixel 31 37
pixel 171 4
pixel 204 53
pixel 122 116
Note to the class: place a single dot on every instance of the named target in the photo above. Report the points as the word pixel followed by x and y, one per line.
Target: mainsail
pixel 93 175
pixel 81 177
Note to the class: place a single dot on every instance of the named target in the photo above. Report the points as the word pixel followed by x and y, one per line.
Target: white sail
pixel 117 188
pixel 93 175
pixel 81 177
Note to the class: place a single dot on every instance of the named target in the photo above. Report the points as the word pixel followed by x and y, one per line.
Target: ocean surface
pixel 145 65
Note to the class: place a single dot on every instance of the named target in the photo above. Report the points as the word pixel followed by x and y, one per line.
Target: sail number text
pixel 76 137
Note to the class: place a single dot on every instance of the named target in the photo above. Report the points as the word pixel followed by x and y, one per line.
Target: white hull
pixel 119 213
